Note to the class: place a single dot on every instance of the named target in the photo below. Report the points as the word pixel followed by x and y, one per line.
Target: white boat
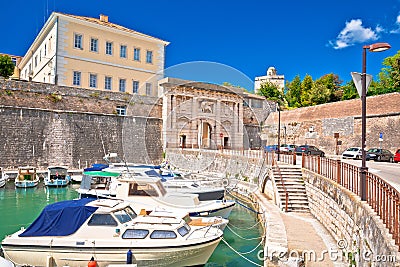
pixel 3 177
pixel 173 180
pixel 57 176
pixel 26 177
pixel 70 233
pixel 149 192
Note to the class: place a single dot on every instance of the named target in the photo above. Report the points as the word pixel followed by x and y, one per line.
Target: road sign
pixel 221 135
pixel 380 137
pixel 358 81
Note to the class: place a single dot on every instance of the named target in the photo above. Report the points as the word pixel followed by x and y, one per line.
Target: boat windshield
pixel 125 215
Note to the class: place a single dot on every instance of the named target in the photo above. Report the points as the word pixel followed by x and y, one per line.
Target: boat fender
pixel 92 263
pixel 129 257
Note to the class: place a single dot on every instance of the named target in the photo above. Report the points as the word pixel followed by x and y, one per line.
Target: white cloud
pixel 354 33
pixel 397 29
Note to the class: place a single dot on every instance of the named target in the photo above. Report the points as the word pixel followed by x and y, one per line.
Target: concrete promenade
pixel 295 233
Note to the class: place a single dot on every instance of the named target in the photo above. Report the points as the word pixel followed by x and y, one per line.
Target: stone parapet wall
pixel 227 166
pixel 48 96
pixel 353 223
pixel 316 125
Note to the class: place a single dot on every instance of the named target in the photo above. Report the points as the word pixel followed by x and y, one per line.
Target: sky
pixel 234 41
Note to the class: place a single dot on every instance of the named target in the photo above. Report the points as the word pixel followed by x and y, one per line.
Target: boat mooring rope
pixel 241 254
pixel 248 228
pixel 236 234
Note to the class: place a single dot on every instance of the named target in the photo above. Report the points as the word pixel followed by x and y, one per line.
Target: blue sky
pixel 234 41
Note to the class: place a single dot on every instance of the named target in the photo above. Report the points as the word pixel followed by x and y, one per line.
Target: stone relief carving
pixel 206 106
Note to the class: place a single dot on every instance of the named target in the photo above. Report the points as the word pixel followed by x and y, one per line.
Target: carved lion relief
pixel 206 106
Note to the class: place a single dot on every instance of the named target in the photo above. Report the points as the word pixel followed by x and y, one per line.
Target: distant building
pixel 94 53
pixel 272 77
pixel 210 116
pixel 16 60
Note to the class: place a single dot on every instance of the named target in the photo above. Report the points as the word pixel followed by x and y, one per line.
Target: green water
pixel 20 207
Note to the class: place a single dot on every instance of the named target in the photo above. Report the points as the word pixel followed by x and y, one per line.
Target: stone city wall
pixel 316 125
pixel 42 125
pixel 353 223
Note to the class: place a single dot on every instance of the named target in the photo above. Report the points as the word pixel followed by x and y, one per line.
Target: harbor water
pixel 239 247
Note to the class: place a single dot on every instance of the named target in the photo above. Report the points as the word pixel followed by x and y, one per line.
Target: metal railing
pixel 275 164
pixel 381 196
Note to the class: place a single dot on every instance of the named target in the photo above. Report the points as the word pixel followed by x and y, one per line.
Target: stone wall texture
pixel 353 223
pixel 316 125
pixel 42 125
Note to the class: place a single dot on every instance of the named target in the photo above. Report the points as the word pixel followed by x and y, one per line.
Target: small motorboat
pixel 26 177
pixel 109 232
pixel 57 176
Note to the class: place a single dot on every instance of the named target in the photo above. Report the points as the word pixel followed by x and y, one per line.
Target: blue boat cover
pixel 96 167
pixel 61 218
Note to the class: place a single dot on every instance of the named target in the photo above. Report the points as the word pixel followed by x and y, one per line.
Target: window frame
pixel 135 89
pixel 109 50
pixel 108 80
pixel 121 110
pixel 92 75
pixel 78 44
pixel 76 78
pixel 121 82
pixel 136 54
pixel 92 46
pixel 149 56
pixel 125 50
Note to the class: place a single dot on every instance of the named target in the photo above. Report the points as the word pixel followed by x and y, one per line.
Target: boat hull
pixel 77 256
pixel 26 184
pixel 2 182
pixel 56 183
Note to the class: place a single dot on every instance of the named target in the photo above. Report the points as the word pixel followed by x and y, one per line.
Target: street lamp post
pixel 377 47
pixel 279 130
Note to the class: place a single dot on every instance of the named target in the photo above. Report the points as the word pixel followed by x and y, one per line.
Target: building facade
pixel 94 53
pixel 271 77
pixel 16 60
pixel 210 116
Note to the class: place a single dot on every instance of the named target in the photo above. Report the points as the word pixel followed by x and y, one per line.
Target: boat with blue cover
pixel 70 233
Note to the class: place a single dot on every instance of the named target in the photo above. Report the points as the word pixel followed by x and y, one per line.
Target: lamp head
pixel 377 47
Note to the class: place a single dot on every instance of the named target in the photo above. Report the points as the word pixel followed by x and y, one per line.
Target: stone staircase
pixel 295 187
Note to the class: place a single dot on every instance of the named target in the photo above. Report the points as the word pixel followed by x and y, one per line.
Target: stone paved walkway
pixel 305 233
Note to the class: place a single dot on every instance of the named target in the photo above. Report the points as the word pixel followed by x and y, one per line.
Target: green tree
pixel 306 86
pixel 319 93
pixel 6 66
pixel 271 92
pixel 293 92
pixel 389 77
pixel 349 91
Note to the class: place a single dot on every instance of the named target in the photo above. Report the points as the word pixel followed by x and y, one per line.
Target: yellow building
pixel 16 60
pixel 94 53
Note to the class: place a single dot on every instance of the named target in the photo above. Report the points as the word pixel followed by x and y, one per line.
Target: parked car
pixel 271 148
pixel 288 148
pixel 309 150
pixel 396 157
pixel 352 153
pixel 379 154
